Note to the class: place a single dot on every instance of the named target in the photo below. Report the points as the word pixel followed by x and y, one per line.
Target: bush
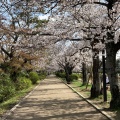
pixel 79 75
pixel 34 77
pixel 23 83
pixel 62 75
pixel 42 74
pixel 7 87
pixel 23 74
pixel 59 74
pixel 41 77
pixel 74 77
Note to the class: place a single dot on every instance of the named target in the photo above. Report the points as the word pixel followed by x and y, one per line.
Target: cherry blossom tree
pixel 20 28
pixel 96 22
pixel 108 26
pixel 70 56
pixel 102 23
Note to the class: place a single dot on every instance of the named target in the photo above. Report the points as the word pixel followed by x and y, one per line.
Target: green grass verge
pixel 77 85
pixel 8 104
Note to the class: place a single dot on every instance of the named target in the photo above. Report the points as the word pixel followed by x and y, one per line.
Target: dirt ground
pixel 53 100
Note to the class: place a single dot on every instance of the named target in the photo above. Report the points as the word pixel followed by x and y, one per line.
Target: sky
pixel 118 55
pixel 42 17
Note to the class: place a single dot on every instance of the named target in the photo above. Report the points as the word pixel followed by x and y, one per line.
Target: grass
pixel 8 104
pixel 85 91
pixel 115 113
pixel 77 85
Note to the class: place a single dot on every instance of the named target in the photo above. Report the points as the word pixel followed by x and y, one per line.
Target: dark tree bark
pixel 67 76
pixel 96 89
pixel 68 71
pixel 84 73
pixel 111 50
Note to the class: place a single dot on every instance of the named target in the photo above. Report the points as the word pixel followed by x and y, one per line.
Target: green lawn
pixel 8 104
pixel 77 85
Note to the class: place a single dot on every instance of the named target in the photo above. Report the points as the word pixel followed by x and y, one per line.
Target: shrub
pixel 59 74
pixel 42 74
pixel 7 88
pixel 23 83
pixel 62 75
pixel 34 77
pixel 23 74
pixel 79 75
pixel 42 77
pixel 74 77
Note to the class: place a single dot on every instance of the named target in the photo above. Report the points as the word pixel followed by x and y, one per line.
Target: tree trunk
pixel 68 72
pixel 96 89
pixel 111 50
pixel 84 72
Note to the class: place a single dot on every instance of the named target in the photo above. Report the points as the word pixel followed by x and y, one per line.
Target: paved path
pixel 53 100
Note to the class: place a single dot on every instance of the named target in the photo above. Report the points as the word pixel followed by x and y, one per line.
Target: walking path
pixel 53 100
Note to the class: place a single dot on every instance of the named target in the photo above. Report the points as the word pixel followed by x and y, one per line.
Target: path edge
pixel 14 107
pixel 88 101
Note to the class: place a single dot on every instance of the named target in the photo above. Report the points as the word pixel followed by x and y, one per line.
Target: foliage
pixel 7 88
pixel 23 73
pixel 34 77
pixel 23 83
pixel 60 74
pixel 79 75
pixel 74 77
pixel 6 67
pixel 79 87
pixel 5 105
pixel 15 68
pixel 42 74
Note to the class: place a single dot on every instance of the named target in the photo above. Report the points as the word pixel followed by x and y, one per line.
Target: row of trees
pixel 19 40
pixel 97 23
pixel 90 25
pixel 20 47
